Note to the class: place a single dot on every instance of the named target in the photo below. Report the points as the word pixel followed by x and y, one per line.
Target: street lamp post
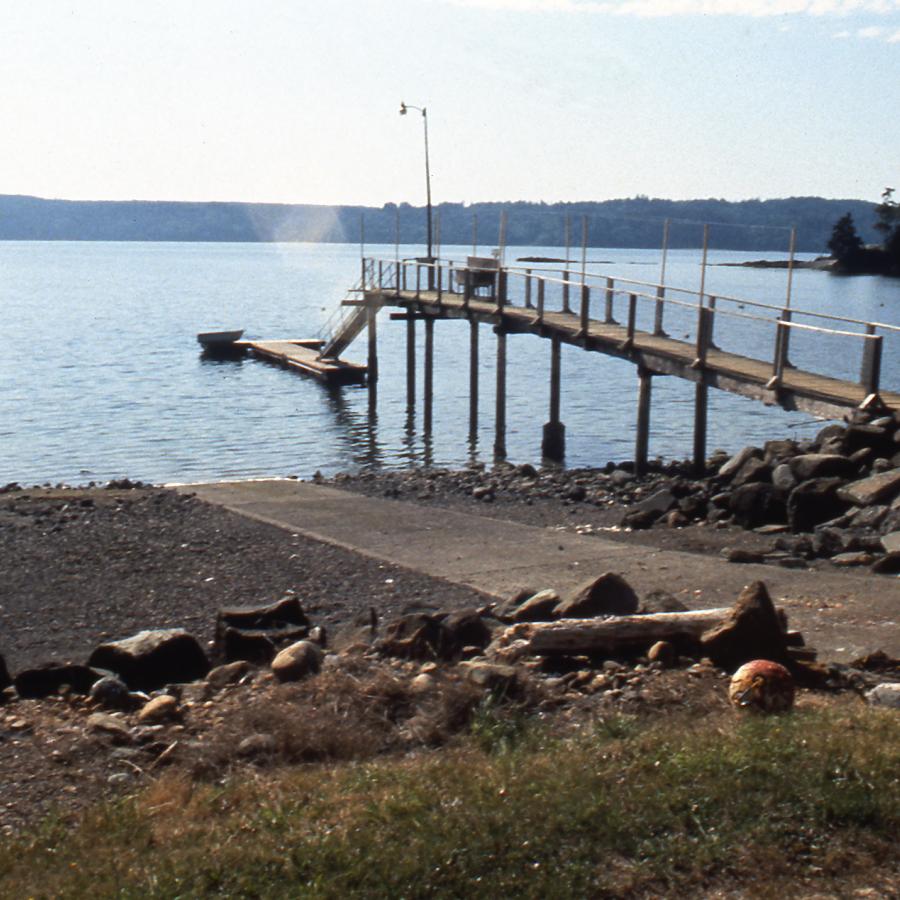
pixel 404 107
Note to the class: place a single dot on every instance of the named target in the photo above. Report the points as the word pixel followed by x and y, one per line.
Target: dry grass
pixel 340 716
pixel 681 807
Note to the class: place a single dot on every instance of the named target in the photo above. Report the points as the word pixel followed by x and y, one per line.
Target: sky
pixel 296 101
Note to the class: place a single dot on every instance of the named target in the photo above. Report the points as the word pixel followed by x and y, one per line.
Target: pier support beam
pixel 411 361
pixel 372 364
pixel 553 445
pixel 429 371
pixel 500 412
pixel 473 381
pixel 645 386
pixel 701 397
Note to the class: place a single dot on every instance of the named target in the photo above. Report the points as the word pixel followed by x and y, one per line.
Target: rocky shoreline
pixel 272 689
pixel 142 628
pixel 834 499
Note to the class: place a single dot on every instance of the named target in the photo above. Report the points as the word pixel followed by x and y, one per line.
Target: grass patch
pixel 620 808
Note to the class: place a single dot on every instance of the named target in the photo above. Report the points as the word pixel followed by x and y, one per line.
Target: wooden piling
pixel 411 361
pixel 500 409
pixel 553 445
pixel 642 440
pixel 429 372
pixel 473 380
pixel 701 398
pixel 372 365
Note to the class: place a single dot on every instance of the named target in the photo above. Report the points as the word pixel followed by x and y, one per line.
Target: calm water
pixel 101 375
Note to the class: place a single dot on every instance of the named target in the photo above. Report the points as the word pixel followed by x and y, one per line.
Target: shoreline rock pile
pixel 159 698
pixel 834 497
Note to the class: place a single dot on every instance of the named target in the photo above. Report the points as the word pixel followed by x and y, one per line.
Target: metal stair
pixel 349 319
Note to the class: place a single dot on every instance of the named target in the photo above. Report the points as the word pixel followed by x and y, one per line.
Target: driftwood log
pixel 587 637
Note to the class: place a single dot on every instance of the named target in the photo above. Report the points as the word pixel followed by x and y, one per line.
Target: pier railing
pixel 651 309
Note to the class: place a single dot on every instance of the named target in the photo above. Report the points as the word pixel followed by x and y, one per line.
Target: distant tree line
pixel 854 256
pixel 755 225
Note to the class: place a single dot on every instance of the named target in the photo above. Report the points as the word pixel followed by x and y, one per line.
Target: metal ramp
pixel 347 322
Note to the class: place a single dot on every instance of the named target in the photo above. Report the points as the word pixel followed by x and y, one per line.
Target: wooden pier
pixel 598 314
pixel 581 310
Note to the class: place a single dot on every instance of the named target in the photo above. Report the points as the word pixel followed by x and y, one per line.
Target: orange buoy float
pixel 762 686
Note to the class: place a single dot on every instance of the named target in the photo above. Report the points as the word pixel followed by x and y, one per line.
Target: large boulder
pixel 656 505
pixel 886 695
pixel 777 451
pixel 416 636
pixel 813 502
pixel 831 436
pixel 287 611
pixel 757 504
pixel 252 645
pixel 111 692
pixel 877 438
pixel 751 630
pixel 255 633
pixel 298 661
pixel 736 463
pixel 539 607
pixel 47 679
pixel 783 477
pixel 608 595
pixel 879 488
pixel 150 660
pixel 752 471
pixel 466 628
pixel 660 601
pixel 822 465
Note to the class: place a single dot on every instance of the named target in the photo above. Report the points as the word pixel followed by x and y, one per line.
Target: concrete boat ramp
pixel 842 614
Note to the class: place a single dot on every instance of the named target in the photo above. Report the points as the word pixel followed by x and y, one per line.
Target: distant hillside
pixel 745 225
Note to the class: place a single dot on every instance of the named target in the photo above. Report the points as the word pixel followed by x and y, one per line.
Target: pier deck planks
pixel 820 395
pixel 303 356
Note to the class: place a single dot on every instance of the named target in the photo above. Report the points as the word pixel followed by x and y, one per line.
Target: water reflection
pixel 360 432
pixel 222 357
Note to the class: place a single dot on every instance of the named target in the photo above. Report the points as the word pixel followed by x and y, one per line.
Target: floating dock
pixel 303 356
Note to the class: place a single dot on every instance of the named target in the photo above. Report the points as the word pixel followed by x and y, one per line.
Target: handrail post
pixel 501 290
pixel 774 382
pixel 658 315
pixel 403 272
pixel 565 292
pixel 585 310
pixel 467 287
pixel 704 333
pixel 628 343
pixel 437 269
pixel 418 280
pixel 540 302
pixel 870 375
pixel 528 288
pixel 610 291
pixel 449 276
pixel 786 317
pixel 380 275
pixel 711 344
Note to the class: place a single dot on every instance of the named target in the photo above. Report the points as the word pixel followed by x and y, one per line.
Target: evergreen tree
pixel 845 244
pixel 888 214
